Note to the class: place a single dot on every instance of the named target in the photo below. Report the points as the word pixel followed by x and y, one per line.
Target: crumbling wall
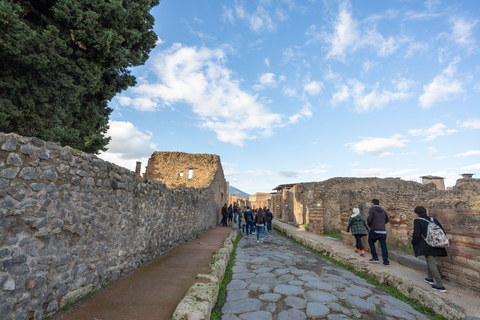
pixel 70 221
pixel 330 204
pixel 179 170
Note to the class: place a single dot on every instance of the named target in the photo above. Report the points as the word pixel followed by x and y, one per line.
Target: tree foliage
pixel 61 61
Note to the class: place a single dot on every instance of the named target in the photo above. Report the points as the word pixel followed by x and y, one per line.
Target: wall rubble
pixel 70 221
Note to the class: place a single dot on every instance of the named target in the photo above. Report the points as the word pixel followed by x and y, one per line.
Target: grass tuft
pixel 222 293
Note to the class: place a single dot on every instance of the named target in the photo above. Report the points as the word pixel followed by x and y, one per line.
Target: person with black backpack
pixel 422 248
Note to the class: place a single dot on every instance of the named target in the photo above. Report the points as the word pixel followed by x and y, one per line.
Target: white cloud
pixel 305 112
pixel 199 78
pixel 462 32
pixel 401 172
pixel 291 92
pixel 267 62
pixel 433 132
pixel 375 99
pixel 368 65
pixel 472 167
pixel 313 87
pixel 469 153
pixel 432 150
pixel 345 36
pixel 128 145
pixel 386 154
pixel 383 47
pixel 377 146
pixel 443 87
pixel 257 21
pixel 414 48
pixel 159 41
pixel 471 124
pixel 372 172
pixel 267 79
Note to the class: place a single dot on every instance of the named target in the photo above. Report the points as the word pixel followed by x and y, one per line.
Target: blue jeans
pixel 260 232
pixel 249 227
pixel 235 217
pixel 372 238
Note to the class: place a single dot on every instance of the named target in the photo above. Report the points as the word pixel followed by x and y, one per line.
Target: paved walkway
pixel 154 291
pixel 282 280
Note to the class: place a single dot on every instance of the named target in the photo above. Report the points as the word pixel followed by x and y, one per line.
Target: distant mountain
pixel 233 190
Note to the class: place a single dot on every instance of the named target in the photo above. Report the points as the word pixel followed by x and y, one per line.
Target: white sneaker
pixel 258 241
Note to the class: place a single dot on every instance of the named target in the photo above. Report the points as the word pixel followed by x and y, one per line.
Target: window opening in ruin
pixel 180 174
pixel 190 174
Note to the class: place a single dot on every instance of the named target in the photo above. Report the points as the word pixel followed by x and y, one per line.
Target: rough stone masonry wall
pixel 70 221
pixel 457 209
pixel 174 168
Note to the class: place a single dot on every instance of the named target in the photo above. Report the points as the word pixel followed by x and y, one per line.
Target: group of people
pixel 375 228
pixel 249 221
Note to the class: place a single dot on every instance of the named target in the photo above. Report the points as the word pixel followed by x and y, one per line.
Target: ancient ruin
pixel 70 222
pixel 326 206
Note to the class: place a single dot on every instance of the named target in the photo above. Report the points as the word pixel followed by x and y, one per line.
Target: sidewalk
pixel 455 303
pixel 154 291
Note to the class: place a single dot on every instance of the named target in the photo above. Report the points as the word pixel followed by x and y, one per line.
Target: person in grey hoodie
pixel 376 220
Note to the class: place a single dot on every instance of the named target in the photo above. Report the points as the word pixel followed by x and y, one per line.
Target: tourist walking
pixel 359 229
pixel 235 212
pixel 268 219
pixel 421 248
pixel 230 215
pixel 260 224
pixel 224 215
pixel 249 220
pixel 376 220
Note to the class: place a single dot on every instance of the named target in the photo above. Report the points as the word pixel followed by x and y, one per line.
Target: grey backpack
pixel 436 237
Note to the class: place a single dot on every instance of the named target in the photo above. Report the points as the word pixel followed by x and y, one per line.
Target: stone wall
pixel 70 221
pixel 330 203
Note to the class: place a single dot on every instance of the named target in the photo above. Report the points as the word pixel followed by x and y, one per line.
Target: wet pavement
pixel 279 279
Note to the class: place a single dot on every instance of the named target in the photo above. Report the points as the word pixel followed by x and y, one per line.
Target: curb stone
pixel 437 304
pixel 202 297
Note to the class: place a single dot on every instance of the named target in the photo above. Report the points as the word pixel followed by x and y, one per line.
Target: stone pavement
pixel 457 303
pixel 282 280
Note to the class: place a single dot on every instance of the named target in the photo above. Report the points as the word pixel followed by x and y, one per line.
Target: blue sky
pixel 298 91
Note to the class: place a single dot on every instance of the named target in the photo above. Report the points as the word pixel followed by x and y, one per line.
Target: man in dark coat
pixel 269 218
pixel 376 220
pixel 249 220
pixel 224 215
pixel 421 248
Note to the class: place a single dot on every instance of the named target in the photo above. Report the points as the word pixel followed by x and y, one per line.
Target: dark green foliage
pixel 61 61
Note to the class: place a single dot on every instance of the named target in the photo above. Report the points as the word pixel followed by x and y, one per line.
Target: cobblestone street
pixel 279 279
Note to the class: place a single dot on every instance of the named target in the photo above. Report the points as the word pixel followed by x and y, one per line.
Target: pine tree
pixel 62 61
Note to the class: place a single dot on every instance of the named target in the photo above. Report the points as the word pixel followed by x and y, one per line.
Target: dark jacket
pixel 268 216
pixel 377 218
pixel 224 211
pixel 248 215
pixel 358 225
pixel 259 221
pixel 420 247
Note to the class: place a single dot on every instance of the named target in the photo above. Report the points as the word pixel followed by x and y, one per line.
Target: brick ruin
pixel 326 206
